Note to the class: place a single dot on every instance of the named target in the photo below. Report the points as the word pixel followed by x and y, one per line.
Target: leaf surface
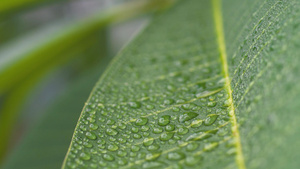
pixel 208 84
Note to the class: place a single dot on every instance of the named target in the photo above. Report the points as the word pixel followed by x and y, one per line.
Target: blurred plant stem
pixel 23 69
pixel 16 97
pixel 9 5
pixel 15 58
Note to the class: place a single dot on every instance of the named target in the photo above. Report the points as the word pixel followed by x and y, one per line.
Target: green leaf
pixel 15 99
pixel 27 59
pixel 209 84
pixel 52 39
pixel 47 141
pixel 13 5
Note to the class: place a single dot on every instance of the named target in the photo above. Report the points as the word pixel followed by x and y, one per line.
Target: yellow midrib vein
pixel 217 14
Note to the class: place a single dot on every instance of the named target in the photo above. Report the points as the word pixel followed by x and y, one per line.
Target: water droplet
pixel 111 132
pixel 182 130
pixel 171 87
pixel 157 130
pixel 102 163
pixel 87 144
pixel 210 119
pixel 192 160
pixel 153 147
pixel 152 156
pixel 150 107
pixel 101 141
pixel 122 162
pixel 85 156
pixel 164 120
pixel 168 101
pixel 108 157
pixel 121 126
pixel 122 153
pixel 137 136
pixel 135 105
pixel 141 121
pixel 148 141
pixel 112 147
pixel 170 127
pixel 198 136
pixel 227 103
pixel 191 146
pixel 135 148
pixel 93 126
pixel 110 122
pixel 175 109
pixel 175 156
pixel 187 116
pixel 145 128
pixel 134 129
pixel 211 104
pixel 165 136
pixel 196 123
pixel 187 106
pixel 210 146
pixel 91 135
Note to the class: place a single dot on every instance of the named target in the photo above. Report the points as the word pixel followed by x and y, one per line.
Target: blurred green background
pixel 52 52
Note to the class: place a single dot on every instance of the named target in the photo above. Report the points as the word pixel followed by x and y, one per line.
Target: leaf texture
pixel 209 84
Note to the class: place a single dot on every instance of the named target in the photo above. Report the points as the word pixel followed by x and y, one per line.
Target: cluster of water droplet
pixel 173 132
pixel 160 108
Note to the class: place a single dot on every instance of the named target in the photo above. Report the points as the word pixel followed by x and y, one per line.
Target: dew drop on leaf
pixel 182 130
pixel 174 156
pixel 164 120
pixel 85 156
pixel 170 127
pixel 135 105
pixel 187 116
pixel 141 121
pixel 153 147
pixel 192 160
pixel 212 104
pixel 112 147
pixel 111 132
pixel 122 153
pixel 93 126
pixel 148 141
pixel 166 136
pixel 196 123
pixel 135 148
pixel 210 119
pixel 152 156
pixel 108 157
pixel 122 162
pixel 191 146
pixel 157 130
pixel 91 135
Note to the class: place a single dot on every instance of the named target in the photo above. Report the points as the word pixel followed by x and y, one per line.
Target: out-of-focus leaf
pixel 13 5
pixel 26 60
pixel 46 144
pixel 192 93
pixel 40 47
pixel 16 98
